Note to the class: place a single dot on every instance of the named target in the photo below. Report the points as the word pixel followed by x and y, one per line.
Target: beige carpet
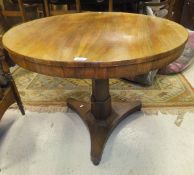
pixel 167 92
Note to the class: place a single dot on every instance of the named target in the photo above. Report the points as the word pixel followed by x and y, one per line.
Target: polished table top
pixel 97 40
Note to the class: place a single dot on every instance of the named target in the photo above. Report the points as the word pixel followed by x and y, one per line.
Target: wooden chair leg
pixel 2 10
pixel 110 5
pixel 5 67
pixel 43 9
pixel 78 6
pixel 22 9
pixel 46 6
pixel 17 96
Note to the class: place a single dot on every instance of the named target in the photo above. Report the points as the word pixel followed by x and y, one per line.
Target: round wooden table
pixel 98 46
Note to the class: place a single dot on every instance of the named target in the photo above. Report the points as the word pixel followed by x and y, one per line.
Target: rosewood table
pixel 98 46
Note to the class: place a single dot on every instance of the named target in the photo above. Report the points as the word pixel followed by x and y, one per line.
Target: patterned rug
pixel 40 90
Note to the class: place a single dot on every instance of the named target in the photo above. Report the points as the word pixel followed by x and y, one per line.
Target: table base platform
pixel 100 129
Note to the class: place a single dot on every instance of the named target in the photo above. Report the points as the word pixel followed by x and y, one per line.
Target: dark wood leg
pixel 46 7
pixel 13 87
pixel 100 116
pixel 17 96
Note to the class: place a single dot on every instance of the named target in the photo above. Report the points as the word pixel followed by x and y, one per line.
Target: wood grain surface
pixel 95 45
